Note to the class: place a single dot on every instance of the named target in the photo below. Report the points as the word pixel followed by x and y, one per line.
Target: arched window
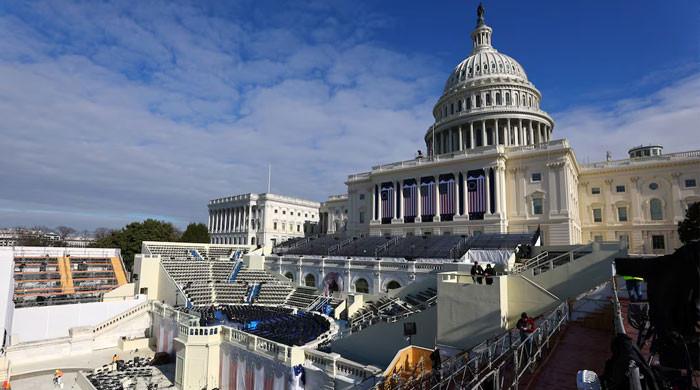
pixel 252 241
pixel 469 103
pixel 459 106
pixel 310 280
pixel 517 99
pixel 289 276
pixel 361 286
pixel 656 210
pixel 393 285
pixel 452 108
pixel 488 99
pixel 478 101
pixel 507 98
pixel 498 99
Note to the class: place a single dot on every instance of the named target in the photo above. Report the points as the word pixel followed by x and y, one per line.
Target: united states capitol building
pixel 365 290
pixel 494 164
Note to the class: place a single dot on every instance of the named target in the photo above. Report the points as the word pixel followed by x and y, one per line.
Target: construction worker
pixel 115 358
pixel 634 288
pixel 58 378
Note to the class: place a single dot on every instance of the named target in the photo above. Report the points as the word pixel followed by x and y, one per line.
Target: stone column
pixel 209 222
pixel 495 132
pixel 437 198
pixel 379 203
pixel 553 188
pixel 502 193
pixel 471 135
pixel 509 132
pixel 456 198
pixel 484 138
pixel 399 197
pixel 487 175
pixel 465 196
pixel 461 138
pixel 521 132
pixel 250 221
pixel 418 201
pixel 375 199
pixel 676 206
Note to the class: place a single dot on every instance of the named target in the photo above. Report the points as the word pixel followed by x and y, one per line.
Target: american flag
pixel 447 196
pixel 476 189
pixel 410 199
pixel 387 201
pixel 427 194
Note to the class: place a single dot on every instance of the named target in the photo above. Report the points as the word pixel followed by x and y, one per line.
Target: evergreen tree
pixel 130 237
pixel 196 232
pixel 689 228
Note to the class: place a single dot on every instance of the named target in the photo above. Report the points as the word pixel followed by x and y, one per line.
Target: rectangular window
pixel 362 217
pixel 283 227
pixel 690 183
pixel 622 214
pixel 537 206
pixel 597 215
pixel 620 189
pixel 536 177
pixel 657 242
pixel 595 190
pixel 298 228
pixel 362 196
pixel 274 226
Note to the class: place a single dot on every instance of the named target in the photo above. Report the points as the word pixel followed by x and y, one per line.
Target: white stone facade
pixel 488 122
pixel 334 215
pixel 260 219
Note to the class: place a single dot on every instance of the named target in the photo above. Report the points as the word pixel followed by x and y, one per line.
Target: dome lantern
pixel 481 36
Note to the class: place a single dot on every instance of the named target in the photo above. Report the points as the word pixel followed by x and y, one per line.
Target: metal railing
pixel 504 363
pixel 543 263
pixel 495 364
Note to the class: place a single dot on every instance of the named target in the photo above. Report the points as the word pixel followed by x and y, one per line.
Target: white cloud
pixel 668 116
pixel 112 114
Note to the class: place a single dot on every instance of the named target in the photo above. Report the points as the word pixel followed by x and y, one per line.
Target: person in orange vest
pixel 58 378
pixel 115 358
pixel 6 385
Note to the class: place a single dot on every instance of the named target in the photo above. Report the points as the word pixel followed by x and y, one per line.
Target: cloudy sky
pixel 117 111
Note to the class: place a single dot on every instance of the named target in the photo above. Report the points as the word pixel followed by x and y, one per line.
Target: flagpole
pixel 269 177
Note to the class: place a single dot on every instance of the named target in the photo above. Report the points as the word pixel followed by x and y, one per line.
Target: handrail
pixel 540 260
pixel 470 369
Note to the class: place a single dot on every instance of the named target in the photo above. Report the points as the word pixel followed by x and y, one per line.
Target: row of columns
pixel 499 195
pixel 515 133
pixel 230 219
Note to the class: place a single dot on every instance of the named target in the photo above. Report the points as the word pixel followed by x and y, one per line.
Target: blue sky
pixel 117 111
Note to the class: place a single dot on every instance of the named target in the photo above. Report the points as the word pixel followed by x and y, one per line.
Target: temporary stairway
pixel 118 268
pixel 66 275
pixel 234 273
pixel 252 293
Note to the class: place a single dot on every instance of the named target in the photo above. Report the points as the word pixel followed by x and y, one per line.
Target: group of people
pixel 479 273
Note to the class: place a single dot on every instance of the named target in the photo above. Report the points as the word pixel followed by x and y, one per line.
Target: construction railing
pixel 502 364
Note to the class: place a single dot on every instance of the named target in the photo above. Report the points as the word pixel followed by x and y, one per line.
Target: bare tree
pixel 102 232
pixel 64 231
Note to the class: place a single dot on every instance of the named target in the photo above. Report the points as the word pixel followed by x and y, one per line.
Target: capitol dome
pixel 487 101
pixel 485 63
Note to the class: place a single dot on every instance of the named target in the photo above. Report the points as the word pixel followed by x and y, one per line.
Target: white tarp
pixel 502 257
pixel 48 322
